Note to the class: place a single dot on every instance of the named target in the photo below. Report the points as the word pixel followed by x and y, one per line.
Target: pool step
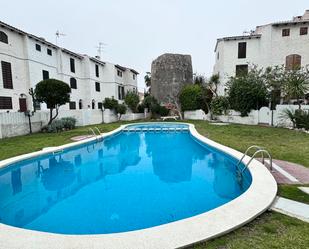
pixel 155 129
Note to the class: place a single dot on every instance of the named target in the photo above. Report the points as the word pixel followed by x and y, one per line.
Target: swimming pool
pixel 131 180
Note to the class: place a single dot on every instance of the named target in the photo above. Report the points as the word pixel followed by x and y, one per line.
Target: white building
pixel 280 43
pixel 27 59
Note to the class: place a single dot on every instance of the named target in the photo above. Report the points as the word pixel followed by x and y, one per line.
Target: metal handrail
pixel 246 153
pixel 257 152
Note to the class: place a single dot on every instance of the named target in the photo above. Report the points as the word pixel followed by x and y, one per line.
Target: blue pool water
pixel 129 181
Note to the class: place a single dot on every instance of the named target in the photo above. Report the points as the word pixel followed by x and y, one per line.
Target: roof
pixel 235 38
pixel 133 71
pixel 291 22
pixel 72 53
pixel 102 63
pixel 121 68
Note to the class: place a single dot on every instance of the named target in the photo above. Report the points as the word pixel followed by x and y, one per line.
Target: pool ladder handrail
pixel 94 134
pixel 258 150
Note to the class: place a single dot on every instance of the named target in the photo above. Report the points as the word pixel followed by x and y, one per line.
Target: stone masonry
pixel 169 73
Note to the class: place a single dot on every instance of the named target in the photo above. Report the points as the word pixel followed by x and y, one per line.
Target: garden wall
pixel 263 116
pixel 16 123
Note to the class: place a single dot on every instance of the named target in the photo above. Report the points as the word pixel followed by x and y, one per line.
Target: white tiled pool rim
pixel 257 199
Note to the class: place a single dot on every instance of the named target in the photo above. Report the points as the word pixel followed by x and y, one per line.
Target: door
pixel 22 104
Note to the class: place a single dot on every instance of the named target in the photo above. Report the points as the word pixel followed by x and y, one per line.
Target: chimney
pixel 98 57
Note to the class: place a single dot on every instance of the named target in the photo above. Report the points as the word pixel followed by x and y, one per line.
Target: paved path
pixel 292 208
pixel 289 173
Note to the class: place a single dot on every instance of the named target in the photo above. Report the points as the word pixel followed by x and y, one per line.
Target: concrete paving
pixel 291 208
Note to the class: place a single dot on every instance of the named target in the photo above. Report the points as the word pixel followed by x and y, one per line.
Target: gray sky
pixel 137 31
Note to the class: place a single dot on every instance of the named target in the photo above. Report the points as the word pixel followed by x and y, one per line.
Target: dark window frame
pixel 6 103
pixel 72 105
pixel 72 65
pixel 73 83
pixel 303 31
pixel 97 87
pixel 119 73
pixel 286 32
pixel 4 37
pixel 100 105
pixel 121 93
pixel 49 52
pixel 242 70
pixel 45 74
pixel 38 47
pixel 97 71
pixel 7 76
pixel 242 50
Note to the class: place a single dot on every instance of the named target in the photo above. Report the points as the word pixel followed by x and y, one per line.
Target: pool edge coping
pixel 178 234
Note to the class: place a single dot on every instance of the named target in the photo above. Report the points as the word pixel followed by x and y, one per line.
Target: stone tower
pixel 169 73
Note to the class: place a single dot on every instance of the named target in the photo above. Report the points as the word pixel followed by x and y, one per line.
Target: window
pixel 303 31
pixel 72 105
pixel 97 74
pixel 37 105
pixel 97 87
pixel 93 104
pixel 45 75
pixel 80 104
pixel 242 50
pixel 292 62
pixel 7 75
pixel 73 83
pixel 72 65
pixel 49 52
pixel 38 47
pixel 134 76
pixel 4 37
pixel 100 105
pixel 218 56
pixel 241 70
pixel 119 73
pixel 6 103
pixel 286 32
pixel 120 92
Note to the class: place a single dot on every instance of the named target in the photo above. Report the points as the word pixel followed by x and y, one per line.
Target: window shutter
pixel 7 75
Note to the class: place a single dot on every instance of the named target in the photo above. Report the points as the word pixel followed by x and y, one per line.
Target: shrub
pixel 247 92
pixel 110 103
pixel 69 123
pixel 302 119
pixel 121 109
pixel 132 100
pixel 55 126
pixel 163 111
pixel 190 97
pixel 140 108
pixel 219 105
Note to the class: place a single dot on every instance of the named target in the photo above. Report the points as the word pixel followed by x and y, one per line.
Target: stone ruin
pixel 169 73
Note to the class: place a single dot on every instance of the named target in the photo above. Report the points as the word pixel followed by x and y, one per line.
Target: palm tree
pixel 296 84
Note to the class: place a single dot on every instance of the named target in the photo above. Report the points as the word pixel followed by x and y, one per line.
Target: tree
pixel 296 84
pixel 54 93
pixel 213 84
pixel 190 97
pixel 120 110
pixel 247 91
pixel 110 103
pixel 132 100
pixel 147 79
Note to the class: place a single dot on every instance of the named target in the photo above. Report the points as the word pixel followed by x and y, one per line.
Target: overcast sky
pixel 138 31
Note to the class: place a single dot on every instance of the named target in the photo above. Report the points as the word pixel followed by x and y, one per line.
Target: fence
pixel 263 116
pixel 17 123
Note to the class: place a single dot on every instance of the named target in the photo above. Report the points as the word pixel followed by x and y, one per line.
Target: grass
pixel 270 230
pixel 292 192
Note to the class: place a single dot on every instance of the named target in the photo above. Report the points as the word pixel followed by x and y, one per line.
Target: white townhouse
pixel 27 59
pixel 280 43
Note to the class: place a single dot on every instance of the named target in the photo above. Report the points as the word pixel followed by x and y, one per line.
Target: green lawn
pixel 269 231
